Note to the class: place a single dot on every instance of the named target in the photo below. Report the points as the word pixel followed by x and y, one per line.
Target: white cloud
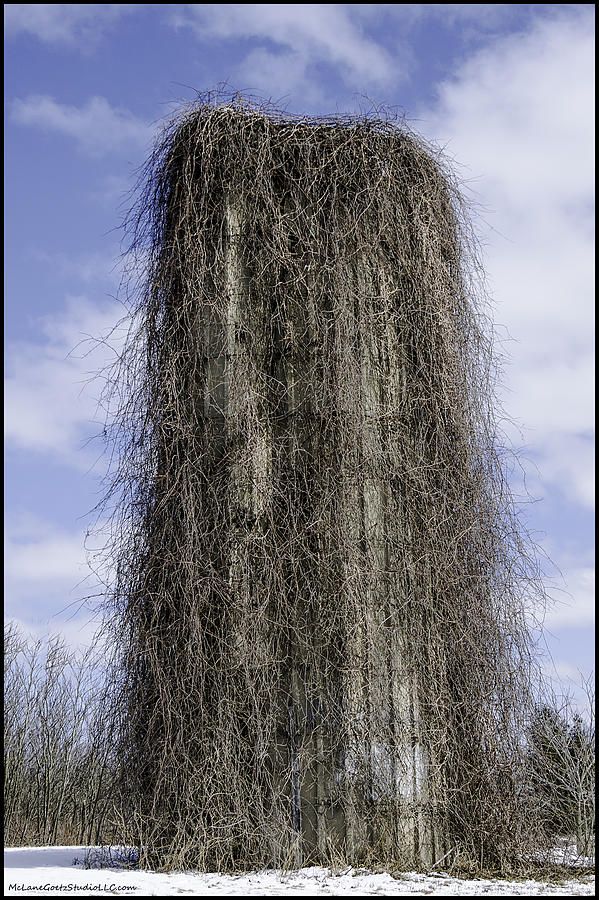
pixel 79 633
pixel 52 387
pixel 97 127
pixel 367 45
pixel 95 268
pixel 570 687
pixel 518 116
pixel 566 460
pixel 283 70
pixel 46 578
pixel 564 671
pixel 63 23
pixel 36 552
pixel 574 605
pixel 481 15
pixel 293 39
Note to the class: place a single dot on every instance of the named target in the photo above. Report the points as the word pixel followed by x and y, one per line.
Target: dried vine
pixel 321 576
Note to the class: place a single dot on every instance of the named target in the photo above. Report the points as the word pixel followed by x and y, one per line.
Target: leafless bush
pixel 58 744
pixel 321 573
pixel 562 765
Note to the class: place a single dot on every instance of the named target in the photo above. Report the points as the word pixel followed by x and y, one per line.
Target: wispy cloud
pixel 77 24
pixel 517 115
pixel 481 17
pixel 92 268
pixel 289 41
pixel 573 606
pixel 571 686
pixel 47 577
pixel 37 552
pixel 97 127
pixel 52 388
pixel 285 48
pixel 78 633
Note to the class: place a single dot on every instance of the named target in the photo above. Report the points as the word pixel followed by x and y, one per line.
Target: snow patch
pixel 60 870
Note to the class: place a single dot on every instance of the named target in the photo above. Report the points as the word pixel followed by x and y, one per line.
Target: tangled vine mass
pixel 321 577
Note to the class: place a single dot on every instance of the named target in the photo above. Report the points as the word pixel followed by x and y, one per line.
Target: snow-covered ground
pixel 44 871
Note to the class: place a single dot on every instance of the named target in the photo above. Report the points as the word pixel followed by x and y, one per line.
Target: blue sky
pixel 506 89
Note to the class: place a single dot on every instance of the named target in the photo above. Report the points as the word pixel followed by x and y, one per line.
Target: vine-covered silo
pixel 319 591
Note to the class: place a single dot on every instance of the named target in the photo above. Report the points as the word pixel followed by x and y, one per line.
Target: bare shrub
pixel 562 766
pixel 58 744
